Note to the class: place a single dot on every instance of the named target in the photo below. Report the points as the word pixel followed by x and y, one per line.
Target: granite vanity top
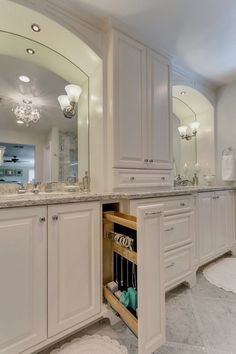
pixel 30 199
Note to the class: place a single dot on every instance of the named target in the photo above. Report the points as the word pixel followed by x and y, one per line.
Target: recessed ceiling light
pixel 26 101
pixel 30 51
pixel 19 121
pixel 24 78
pixel 183 92
pixel 35 27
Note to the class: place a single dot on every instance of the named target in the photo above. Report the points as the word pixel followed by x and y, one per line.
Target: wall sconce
pixel 193 127
pixel 70 101
pixel 2 151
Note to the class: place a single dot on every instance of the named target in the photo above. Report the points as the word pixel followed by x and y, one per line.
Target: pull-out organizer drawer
pixel 137 179
pixel 178 230
pixel 178 264
pixel 133 270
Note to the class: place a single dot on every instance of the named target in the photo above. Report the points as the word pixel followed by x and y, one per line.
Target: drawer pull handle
pixel 216 197
pixel 171 265
pixel 163 178
pixel 54 217
pixel 182 204
pixel 152 213
pixel 170 229
pixel 151 160
pixel 146 160
pixel 43 219
pixel 132 178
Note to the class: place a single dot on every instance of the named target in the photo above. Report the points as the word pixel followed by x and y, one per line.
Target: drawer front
pixel 178 263
pixel 178 205
pixel 171 205
pixel 178 230
pixel 140 179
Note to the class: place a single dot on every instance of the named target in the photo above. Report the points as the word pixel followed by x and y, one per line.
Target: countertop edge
pixel 11 201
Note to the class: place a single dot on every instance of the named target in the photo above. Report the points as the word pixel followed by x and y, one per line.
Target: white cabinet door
pixel 221 221
pixel 129 102
pixel 231 217
pixel 159 124
pixel 205 226
pixel 23 278
pixel 74 275
pixel 151 299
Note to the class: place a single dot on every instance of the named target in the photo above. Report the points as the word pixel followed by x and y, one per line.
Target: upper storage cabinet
pixel 158 108
pixel 129 79
pixel 139 105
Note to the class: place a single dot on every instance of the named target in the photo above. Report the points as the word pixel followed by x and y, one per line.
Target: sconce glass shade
pixel 194 126
pixel 182 130
pixel 64 101
pixel 2 151
pixel 73 92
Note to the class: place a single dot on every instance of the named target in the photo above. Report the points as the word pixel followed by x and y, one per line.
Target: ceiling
pixel 43 90
pixel 199 34
pixel 192 100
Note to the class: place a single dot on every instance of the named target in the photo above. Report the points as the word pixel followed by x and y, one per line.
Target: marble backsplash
pixel 13 188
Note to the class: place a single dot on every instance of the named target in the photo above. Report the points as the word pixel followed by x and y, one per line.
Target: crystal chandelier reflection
pixel 25 113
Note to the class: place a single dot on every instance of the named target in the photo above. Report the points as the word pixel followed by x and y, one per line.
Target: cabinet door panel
pixel 159 111
pixel 179 230
pixel 205 226
pixel 23 279
pixel 129 102
pixel 231 217
pixel 151 297
pixel 221 222
pixel 74 265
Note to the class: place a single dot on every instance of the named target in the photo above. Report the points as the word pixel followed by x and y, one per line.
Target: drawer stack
pixel 179 236
pixel 178 240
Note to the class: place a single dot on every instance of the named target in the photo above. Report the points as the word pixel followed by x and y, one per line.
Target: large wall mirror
pixel 193 133
pixel 44 119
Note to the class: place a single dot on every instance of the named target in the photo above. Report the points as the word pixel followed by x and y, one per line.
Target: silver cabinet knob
pixel 170 229
pixel 163 178
pixel 149 213
pixel 182 204
pixel 151 160
pixel 171 265
pixel 42 219
pixel 132 178
pixel 146 160
pixel 54 217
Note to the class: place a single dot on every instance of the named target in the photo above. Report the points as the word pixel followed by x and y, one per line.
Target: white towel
pixel 228 168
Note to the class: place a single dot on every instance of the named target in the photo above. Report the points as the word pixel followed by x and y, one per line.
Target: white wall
pixel 176 145
pixel 83 133
pixel 28 138
pixel 225 121
pixel 97 146
pixel 51 152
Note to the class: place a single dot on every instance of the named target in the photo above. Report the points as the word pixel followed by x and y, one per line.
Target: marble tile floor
pixel 199 320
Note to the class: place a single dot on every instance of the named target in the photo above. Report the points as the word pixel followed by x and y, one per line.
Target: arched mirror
pixel 43 113
pixel 51 100
pixel 193 133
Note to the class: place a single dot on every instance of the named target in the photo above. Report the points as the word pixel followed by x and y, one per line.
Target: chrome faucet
pixel 21 188
pixel 35 189
pixel 179 181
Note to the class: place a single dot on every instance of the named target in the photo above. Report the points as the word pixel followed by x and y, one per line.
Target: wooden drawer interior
pixel 110 248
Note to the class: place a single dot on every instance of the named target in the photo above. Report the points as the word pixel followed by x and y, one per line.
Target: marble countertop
pixel 30 199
